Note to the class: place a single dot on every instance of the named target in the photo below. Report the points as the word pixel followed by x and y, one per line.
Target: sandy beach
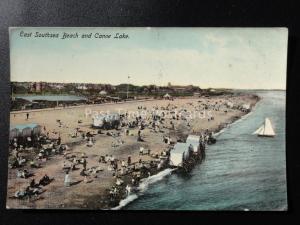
pixel 210 113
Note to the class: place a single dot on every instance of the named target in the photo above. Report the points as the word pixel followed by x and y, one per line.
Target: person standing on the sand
pixel 67 180
pixel 59 140
pixel 27 116
pixel 84 164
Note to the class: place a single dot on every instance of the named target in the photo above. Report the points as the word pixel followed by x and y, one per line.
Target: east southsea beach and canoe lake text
pixel 74 35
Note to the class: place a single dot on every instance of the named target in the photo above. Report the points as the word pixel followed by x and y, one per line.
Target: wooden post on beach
pixel 128 86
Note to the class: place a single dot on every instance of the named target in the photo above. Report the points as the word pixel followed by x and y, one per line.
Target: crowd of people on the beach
pixel 35 150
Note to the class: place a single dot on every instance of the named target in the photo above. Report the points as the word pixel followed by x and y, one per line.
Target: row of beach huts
pixel 185 155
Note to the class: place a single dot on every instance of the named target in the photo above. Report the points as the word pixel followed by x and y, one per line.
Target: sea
pixel 51 97
pixel 240 172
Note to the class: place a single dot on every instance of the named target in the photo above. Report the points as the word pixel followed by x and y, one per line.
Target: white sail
pixel 268 130
pixel 259 130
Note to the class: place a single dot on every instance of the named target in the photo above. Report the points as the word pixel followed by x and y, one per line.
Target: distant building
pixel 56 86
pixel 183 89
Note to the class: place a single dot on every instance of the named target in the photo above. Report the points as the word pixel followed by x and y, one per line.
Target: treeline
pixel 121 90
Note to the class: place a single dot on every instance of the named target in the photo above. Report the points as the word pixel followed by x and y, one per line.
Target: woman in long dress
pixel 67 180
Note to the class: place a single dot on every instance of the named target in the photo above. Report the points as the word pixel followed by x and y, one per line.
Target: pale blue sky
pixel 207 57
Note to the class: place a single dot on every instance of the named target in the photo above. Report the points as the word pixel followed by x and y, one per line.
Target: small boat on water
pixel 265 130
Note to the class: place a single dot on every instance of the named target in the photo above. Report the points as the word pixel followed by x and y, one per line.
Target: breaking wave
pixel 143 187
pixel 126 201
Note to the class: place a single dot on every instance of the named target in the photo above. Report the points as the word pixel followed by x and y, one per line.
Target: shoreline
pixel 143 187
pixel 222 128
pixel 101 199
pixel 168 171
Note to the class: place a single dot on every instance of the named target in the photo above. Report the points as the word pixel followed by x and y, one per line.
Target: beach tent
pixel 179 154
pixel 194 140
pixel 246 106
pixel 98 120
pixel 102 92
pixel 167 96
pixel 24 130
pixel 229 104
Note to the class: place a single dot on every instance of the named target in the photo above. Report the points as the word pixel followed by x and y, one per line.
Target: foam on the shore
pixel 152 179
pixel 237 121
pixel 143 186
pixel 126 201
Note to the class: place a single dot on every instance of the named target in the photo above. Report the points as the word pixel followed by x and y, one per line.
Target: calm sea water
pixel 51 97
pixel 241 171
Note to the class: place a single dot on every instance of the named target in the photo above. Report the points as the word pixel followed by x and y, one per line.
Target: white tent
pixel 246 106
pixel 102 92
pixel 229 104
pixel 167 96
pixel 98 120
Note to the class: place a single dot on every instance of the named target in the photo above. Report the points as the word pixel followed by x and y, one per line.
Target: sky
pixel 242 58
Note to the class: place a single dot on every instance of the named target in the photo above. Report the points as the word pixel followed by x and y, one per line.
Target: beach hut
pixel 194 141
pixel 36 130
pixel 14 133
pixel 180 153
pixel 24 130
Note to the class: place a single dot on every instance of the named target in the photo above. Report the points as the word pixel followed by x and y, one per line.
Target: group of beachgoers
pixel 34 188
pixel 127 173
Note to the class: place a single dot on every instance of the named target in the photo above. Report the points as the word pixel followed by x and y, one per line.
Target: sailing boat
pixel 265 130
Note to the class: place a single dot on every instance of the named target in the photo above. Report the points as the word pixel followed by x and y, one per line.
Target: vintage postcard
pixel 147 118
